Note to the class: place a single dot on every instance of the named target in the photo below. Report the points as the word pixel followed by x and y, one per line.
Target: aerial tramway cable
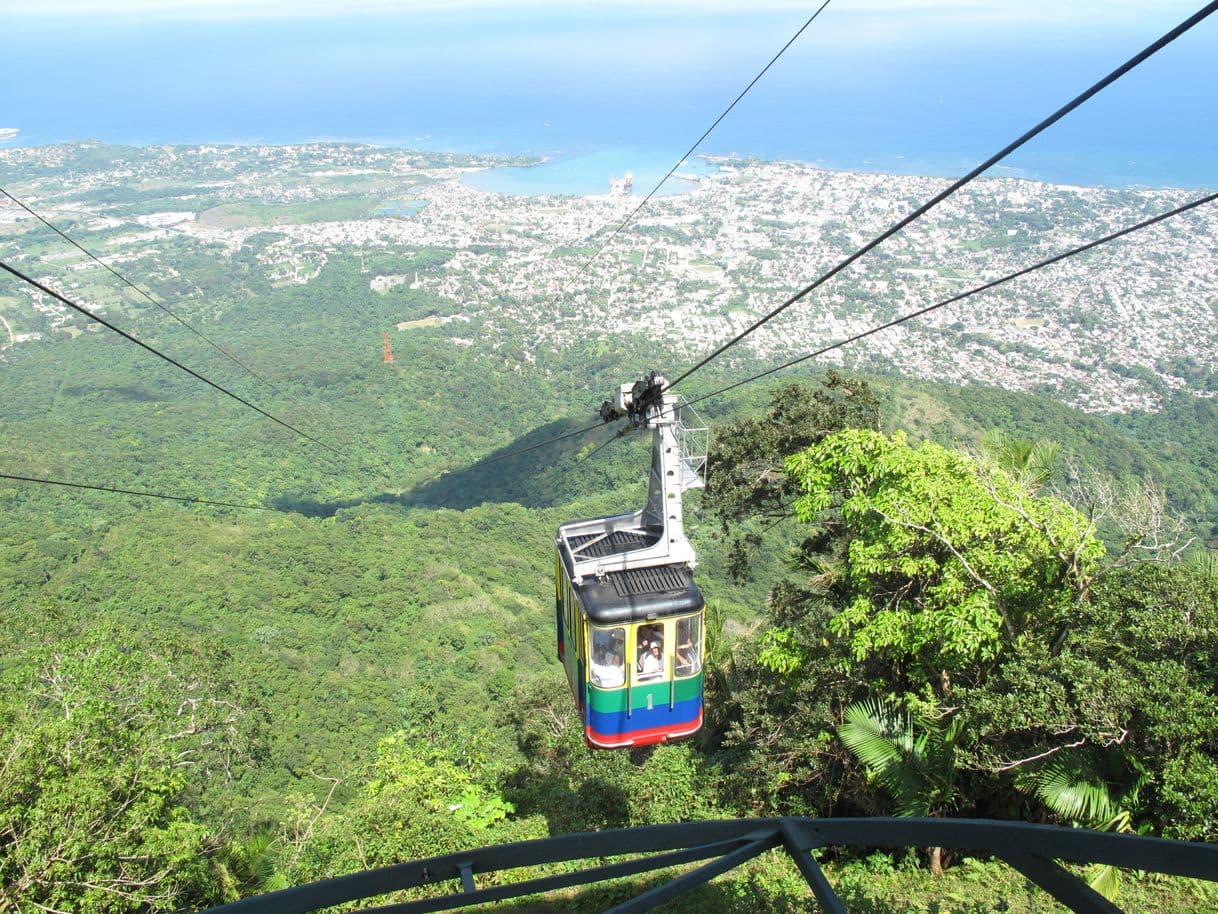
pixel 698 142
pixel 140 494
pixel 620 433
pixel 160 355
pixel 985 287
pixel 1061 112
pixel 383 467
pixel 210 342
pixel 1057 258
pixel 541 444
pixel 587 263
pixel 1053 118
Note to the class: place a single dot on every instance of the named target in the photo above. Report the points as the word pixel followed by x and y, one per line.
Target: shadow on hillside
pixel 122 391
pixel 538 478
pixel 594 803
pixel 535 479
pixel 311 507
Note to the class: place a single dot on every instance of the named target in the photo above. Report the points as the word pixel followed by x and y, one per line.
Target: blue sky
pixel 938 11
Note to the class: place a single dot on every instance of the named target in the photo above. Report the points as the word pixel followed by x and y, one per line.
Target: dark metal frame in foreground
pixel 1031 849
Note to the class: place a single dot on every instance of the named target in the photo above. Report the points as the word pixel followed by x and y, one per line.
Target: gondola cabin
pixel 630 618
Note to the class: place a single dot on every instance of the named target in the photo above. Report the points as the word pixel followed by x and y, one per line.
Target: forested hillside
pixel 347 682
pixel 200 703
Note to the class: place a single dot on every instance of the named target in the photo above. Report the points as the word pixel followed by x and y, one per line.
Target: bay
pixel 598 91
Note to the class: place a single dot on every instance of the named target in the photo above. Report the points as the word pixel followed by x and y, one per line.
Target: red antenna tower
pixel 388 351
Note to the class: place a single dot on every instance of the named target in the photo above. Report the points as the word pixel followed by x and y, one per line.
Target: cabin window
pixel 649 653
pixel 608 668
pixel 578 623
pixel 689 646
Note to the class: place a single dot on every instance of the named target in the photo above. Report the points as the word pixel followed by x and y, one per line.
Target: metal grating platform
pixel 634 582
pixel 598 545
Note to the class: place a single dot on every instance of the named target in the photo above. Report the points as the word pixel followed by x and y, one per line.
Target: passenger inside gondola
pixel 652 665
pixel 688 636
pixel 646 634
pixel 608 658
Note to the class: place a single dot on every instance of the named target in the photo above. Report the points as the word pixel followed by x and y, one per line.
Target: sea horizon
pixel 906 94
pixel 587 172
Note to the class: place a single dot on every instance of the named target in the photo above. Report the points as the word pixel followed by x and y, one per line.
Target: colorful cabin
pixel 630 618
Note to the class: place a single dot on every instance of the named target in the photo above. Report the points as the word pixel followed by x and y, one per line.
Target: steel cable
pixel 1053 118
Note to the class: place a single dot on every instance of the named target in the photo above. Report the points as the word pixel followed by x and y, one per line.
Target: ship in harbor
pixel 623 186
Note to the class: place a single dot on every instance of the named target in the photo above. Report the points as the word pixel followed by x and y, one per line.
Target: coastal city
pixel 1108 331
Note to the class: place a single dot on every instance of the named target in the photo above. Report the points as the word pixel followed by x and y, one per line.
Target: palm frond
pixel 1106 880
pixel 910 791
pixel 882 738
pixel 1073 785
pixel 876 734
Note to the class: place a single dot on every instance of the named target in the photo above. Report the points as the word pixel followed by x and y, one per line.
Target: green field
pixel 255 215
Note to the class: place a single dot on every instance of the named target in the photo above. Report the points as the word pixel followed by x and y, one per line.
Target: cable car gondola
pixel 630 618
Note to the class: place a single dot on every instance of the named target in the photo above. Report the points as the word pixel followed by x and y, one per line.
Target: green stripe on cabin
pixel 610 700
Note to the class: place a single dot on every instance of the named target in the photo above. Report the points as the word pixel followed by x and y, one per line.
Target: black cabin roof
pixel 618 541
pixel 635 594
pixel 639 595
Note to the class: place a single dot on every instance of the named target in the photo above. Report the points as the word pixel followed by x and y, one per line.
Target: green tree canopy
pixel 100 744
pixel 746 480
pixel 949 558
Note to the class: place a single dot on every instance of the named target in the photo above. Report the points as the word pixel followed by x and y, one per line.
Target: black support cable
pixel 95 488
pixel 384 467
pixel 210 342
pixel 698 142
pixel 1057 258
pixel 620 433
pixel 533 447
pixel 160 355
pixel 1053 118
pixel 587 263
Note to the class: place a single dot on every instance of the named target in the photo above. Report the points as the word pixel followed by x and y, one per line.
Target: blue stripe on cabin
pixel 615 722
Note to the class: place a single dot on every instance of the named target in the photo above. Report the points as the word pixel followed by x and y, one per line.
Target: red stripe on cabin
pixel 641 737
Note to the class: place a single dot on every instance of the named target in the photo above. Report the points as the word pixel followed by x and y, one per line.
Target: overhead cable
pixel 210 342
pixel 384 467
pixel 96 488
pixel 1061 112
pixel 698 142
pixel 160 355
pixel 629 218
pixel 533 447
pixel 1201 201
pixel 620 433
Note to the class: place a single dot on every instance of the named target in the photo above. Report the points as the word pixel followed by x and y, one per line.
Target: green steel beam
pixel 796 841
pixel 1062 885
pixel 1029 848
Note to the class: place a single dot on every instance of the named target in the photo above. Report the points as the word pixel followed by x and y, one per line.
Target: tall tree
pixel 747 489
pixel 924 569
pixel 101 743
pixel 950 559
